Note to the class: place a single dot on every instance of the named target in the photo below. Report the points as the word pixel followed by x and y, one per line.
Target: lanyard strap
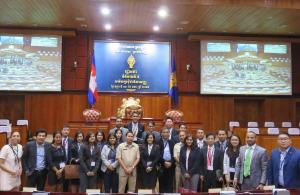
pixel 17 160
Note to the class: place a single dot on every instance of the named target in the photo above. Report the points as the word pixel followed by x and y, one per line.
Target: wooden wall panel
pixel 12 107
pixel 246 110
pixel 52 111
pixel 279 110
pixel 213 112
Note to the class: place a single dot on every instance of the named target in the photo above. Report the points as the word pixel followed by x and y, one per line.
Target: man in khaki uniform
pixel 128 155
pixel 177 147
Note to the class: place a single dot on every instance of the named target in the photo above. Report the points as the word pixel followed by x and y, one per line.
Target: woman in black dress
pixel 119 135
pixel 100 138
pixel 189 161
pixel 75 148
pixel 57 162
pixel 89 159
pixel 150 155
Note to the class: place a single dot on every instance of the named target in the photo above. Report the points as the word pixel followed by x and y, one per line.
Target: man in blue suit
pixel 284 164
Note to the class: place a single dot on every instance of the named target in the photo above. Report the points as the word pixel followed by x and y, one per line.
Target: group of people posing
pixel 132 158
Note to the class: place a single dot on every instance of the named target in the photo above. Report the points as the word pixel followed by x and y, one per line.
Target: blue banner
pixel 132 66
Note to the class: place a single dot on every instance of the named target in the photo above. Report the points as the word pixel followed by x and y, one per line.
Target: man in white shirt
pixel 173 133
pixel 177 147
pixel 211 159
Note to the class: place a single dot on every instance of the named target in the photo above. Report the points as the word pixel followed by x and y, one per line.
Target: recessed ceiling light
pixel 105 11
pixel 107 26
pixel 156 28
pixel 162 12
pixel 179 29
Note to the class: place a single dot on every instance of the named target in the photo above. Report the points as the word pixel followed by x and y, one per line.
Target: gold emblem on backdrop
pixel 131 61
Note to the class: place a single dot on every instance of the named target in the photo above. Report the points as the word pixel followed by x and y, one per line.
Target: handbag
pixel 72 172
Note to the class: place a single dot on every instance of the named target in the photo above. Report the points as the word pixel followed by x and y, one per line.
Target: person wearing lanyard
pixel 211 159
pixel 176 151
pixel 75 148
pixel 284 164
pixel 57 163
pixel 167 163
pixel 10 164
pixel 89 160
pixel 110 164
pixel 66 143
pixel 150 156
pixel 230 158
pixel 251 166
pixel 190 163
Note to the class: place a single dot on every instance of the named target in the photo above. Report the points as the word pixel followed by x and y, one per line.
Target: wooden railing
pixel 264 139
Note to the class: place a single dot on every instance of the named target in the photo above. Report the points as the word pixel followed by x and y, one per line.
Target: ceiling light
pixel 156 28
pixel 107 26
pixel 105 11
pixel 162 12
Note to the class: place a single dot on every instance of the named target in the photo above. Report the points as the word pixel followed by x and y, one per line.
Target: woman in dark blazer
pixel 57 162
pixel 189 161
pixel 89 159
pixel 100 139
pixel 75 148
pixel 150 156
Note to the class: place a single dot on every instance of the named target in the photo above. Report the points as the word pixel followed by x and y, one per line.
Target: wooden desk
pixel 107 124
pixel 264 140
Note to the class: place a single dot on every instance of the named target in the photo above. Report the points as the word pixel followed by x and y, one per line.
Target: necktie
pixel 209 157
pixel 247 162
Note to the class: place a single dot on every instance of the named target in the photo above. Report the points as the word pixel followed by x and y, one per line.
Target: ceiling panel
pixel 277 17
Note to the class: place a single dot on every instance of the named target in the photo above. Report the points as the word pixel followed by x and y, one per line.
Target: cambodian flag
pixel 173 91
pixel 92 92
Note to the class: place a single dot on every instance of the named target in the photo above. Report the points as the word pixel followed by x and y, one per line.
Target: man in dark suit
pixel 211 159
pixel 167 172
pixel 200 134
pixel 284 164
pixel 173 133
pixel 35 160
pixel 136 128
pixel 67 144
pixel 222 142
pixel 119 125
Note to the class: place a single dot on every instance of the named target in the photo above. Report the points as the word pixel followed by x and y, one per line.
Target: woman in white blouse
pixel 230 158
pixel 10 164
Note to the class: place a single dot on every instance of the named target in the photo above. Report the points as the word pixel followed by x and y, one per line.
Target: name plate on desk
pixel 40 193
pixel 281 192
